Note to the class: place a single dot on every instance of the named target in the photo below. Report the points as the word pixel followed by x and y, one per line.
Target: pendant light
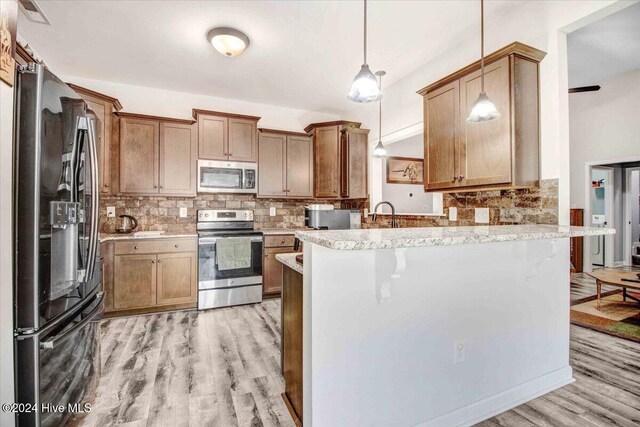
pixel 365 86
pixel 483 109
pixel 379 151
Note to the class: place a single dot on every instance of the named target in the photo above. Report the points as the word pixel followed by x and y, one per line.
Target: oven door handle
pixel 206 240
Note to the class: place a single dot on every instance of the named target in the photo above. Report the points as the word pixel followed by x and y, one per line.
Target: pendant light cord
pixel 380 115
pixel 365 32
pixel 481 45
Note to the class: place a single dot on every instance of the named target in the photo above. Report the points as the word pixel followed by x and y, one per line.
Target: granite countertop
pixel 290 261
pixel 277 231
pixel 104 237
pixel 389 238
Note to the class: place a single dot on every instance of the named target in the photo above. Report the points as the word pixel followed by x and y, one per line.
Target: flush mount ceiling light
pixel 365 86
pixel 483 109
pixel 379 151
pixel 228 41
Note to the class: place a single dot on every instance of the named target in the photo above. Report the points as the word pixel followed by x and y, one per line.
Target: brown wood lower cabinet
pixel 272 270
pixel 292 341
pixel 176 274
pixel 150 275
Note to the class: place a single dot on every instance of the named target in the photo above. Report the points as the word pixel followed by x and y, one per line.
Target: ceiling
pixel 303 54
pixel 605 48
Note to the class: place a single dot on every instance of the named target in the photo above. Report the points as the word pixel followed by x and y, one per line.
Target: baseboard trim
pixel 501 402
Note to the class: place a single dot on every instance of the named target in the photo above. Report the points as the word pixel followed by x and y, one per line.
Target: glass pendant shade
pixel 483 110
pixel 379 151
pixel 364 87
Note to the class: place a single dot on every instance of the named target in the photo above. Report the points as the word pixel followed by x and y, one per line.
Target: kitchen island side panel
pixel 381 327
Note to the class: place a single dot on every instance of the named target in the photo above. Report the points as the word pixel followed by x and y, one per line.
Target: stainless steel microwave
pixel 227 177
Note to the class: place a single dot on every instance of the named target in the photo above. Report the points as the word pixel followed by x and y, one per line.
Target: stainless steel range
pixel 229 259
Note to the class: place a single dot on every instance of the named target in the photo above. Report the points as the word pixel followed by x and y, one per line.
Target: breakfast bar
pixel 431 326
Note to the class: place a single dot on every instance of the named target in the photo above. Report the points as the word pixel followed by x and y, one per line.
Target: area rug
pixel 615 317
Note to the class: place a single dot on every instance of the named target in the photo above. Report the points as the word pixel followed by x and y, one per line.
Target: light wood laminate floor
pixel 221 368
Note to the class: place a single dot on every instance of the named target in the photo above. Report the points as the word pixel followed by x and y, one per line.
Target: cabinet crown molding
pixel 515 48
pixel 196 112
pixel 282 132
pixel 345 123
pixel 84 91
pixel 148 117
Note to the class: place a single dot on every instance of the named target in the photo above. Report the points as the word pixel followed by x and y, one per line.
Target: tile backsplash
pixel 163 213
pixel 523 206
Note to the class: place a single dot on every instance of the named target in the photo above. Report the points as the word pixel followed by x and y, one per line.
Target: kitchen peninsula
pixel 431 326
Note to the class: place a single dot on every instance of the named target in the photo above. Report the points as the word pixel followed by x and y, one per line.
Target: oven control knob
pixel 206 215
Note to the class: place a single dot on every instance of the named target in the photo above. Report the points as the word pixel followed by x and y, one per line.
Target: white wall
pixel 537 24
pixel 604 128
pixel 6 257
pixel 167 103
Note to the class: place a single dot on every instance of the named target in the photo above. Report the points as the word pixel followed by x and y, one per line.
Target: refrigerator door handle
pixel 95 197
pixel 59 339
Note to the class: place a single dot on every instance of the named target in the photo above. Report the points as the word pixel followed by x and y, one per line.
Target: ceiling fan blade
pixel 584 89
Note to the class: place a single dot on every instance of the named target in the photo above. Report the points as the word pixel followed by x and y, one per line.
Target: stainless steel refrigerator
pixel 57 290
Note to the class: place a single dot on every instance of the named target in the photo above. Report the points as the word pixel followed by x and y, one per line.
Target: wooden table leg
pixel 598 289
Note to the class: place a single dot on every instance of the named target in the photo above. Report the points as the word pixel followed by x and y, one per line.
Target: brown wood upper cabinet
pixel 327 169
pixel 103 107
pixel 223 136
pixel 354 151
pixel 285 164
pixel 501 153
pixel 157 155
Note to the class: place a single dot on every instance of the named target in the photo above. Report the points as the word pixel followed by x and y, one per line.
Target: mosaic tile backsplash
pixel 524 206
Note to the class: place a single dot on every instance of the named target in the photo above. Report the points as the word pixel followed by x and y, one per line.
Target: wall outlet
pixel 482 215
pixel 111 211
pixel 459 350
pixel 183 212
pixel 272 211
pixel 453 214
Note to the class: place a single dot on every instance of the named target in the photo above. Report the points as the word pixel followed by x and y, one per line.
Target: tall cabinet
pixel 157 155
pixel 328 169
pixel 285 164
pixel 103 107
pixel 501 153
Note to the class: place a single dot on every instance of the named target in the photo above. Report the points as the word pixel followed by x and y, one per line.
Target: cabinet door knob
pixel 153 262
pixel 161 187
pixel 155 186
pixel 135 247
pixel 176 246
pixel 230 154
pixel 460 178
pixel 455 177
pixel 159 261
pixel 106 185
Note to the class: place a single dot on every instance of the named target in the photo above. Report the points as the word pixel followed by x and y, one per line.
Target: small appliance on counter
pixel 326 217
pixel 126 224
pixel 229 259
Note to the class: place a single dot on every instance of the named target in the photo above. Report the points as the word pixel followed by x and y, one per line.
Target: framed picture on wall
pixel 8 25
pixel 405 170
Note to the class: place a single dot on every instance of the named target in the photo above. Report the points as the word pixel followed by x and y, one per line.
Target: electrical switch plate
pixel 272 211
pixel 459 351
pixel 482 215
pixel 111 211
pixel 183 212
pixel 453 214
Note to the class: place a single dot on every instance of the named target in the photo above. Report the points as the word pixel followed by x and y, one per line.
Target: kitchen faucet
pixel 394 224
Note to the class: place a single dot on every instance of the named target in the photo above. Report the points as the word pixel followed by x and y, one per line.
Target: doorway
pixel 632 217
